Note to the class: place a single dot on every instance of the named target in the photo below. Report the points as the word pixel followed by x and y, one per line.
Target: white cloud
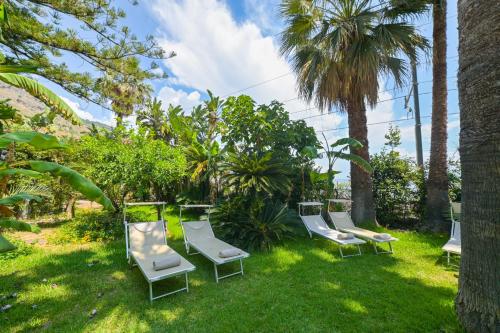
pixel 179 97
pixel 108 118
pixel 264 13
pixel 216 52
pixel 219 54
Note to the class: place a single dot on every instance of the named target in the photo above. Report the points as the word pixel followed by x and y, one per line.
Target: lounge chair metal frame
pixel 131 258
pixel 455 209
pixel 190 245
pixel 374 242
pixel 301 206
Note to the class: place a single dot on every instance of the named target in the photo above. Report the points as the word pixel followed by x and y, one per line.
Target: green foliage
pixel 127 163
pixel 55 103
pixel 12 224
pixel 336 151
pixel 13 249
pixel 89 227
pixel 37 141
pixel 251 174
pixel 75 180
pixel 253 225
pixel 248 127
pixel 455 180
pixel 398 188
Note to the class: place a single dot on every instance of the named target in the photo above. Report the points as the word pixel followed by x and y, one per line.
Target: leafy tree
pixel 398 188
pixel 132 164
pixel 47 34
pixel 338 50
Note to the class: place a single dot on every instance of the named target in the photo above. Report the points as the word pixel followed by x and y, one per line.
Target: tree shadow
pixel 302 285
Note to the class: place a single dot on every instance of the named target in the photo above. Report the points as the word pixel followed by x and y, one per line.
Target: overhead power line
pixel 380 122
pixel 384 100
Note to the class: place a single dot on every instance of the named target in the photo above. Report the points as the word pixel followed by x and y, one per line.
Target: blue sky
pixel 226 46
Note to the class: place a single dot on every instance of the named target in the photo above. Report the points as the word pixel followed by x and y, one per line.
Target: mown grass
pixel 300 286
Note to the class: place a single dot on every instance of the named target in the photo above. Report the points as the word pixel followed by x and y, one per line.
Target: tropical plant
pixel 336 151
pixel 155 119
pixel 477 303
pixel 255 174
pixel 255 225
pixel 338 50
pixel 33 168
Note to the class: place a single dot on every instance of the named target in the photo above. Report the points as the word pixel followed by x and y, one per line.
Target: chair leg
pixel 187 283
pixel 150 292
pixel 216 273
pixel 341 254
pixel 448 257
pixel 241 266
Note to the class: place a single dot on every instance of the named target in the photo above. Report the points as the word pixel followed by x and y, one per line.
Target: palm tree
pixel 437 205
pixel 478 300
pixel 338 49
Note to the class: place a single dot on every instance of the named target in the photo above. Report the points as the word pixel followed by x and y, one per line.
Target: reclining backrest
pixel 146 235
pixel 197 230
pixel 341 220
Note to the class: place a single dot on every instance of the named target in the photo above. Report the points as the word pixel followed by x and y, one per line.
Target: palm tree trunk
pixel 478 301
pixel 361 182
pixel 437 206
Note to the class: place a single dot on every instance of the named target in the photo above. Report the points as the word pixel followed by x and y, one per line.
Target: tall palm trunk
pixel 478 300
pixel 437 206
pixel 361 182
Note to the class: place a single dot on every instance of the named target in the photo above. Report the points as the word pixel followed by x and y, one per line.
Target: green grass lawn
pixel 300 286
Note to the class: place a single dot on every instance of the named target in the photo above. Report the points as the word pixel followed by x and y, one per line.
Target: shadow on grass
pixel 300 286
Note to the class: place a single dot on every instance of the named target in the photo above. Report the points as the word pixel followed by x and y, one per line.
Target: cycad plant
pixel 338 50
pixel 255 174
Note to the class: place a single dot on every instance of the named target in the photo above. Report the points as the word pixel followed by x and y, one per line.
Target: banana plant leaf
pixel 24 172
pixel 17 69
pixel 13 224
pixel 358 160
pixel 347 141
pixel 76 180
pixel 39 91
pixel 37 140
pixel 5 245
pixel 13 199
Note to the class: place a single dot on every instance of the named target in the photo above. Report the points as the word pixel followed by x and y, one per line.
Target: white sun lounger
pixel 146 242
pixel 200 236
pixel 343 222
pixel 315 224
pixel 454 245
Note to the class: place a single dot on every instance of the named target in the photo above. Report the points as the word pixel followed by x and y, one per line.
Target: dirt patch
pixel 33 238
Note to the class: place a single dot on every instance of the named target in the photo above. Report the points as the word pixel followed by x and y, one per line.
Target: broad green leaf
pixel 8 223
pixel 5 245
pixel 77 181
pixel 37 90
pixel 310 151
pixel 13 199
pixel 347 141
pixel 17 69
pixel 36 140
pixel 24 172
pixel 358 160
